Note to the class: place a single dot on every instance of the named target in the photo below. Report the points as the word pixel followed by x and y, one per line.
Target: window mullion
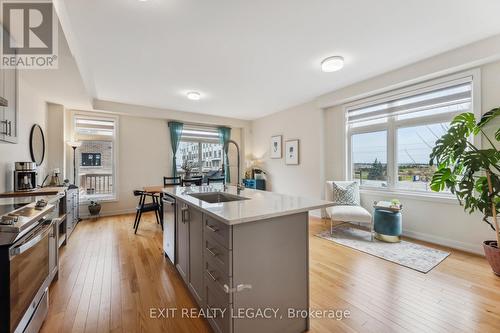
pixel 391 153
pixel 200 156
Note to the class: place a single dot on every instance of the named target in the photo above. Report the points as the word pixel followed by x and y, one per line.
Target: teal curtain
pixel 175 139
pixel 224 136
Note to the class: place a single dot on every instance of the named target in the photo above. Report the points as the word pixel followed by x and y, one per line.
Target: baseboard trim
pixel 110 213
pixel 467 247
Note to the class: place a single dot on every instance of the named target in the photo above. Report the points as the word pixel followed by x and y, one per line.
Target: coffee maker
pixel 25 176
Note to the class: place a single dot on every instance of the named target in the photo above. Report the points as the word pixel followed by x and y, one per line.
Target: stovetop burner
pixel 15 223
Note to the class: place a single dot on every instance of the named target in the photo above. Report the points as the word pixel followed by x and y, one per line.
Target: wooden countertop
pixel 157 189
pixel 37 192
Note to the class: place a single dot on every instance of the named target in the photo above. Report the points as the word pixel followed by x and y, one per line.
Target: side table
pixel 387 222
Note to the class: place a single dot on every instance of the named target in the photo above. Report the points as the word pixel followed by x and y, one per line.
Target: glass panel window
pixel 95 158
pixel 212 161
pixel 188 156
pixel 369 158
pixel 200 152
pixel 391 136
pixel 414 145
pixel 95 162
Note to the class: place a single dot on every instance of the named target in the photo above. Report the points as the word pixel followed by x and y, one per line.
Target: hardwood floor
pixel 109 280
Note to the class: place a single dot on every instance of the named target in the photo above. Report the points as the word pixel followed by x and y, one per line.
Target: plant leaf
pixel 488 116
pixel 438 182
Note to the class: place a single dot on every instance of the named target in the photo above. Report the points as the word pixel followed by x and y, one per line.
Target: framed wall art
pixel 292 152
pixel 276 146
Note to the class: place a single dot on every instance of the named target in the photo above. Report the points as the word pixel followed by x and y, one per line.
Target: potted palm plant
pixel 472 173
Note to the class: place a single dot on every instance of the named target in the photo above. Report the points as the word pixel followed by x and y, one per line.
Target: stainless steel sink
pixel 216 197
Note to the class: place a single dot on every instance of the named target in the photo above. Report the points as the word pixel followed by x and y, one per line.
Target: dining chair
pixel 143 207
pixel 172 180
pixel 216 180
pixel 192 180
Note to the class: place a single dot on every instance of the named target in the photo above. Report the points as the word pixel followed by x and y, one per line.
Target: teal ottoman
pixel 387 225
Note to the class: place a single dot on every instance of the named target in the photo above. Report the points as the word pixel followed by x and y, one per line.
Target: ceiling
pixel 62 85
pixel 252 58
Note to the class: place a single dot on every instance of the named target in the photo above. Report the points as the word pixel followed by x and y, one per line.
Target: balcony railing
pixel 96 183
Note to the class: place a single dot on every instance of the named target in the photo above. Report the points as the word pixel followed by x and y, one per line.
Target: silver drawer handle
pixel 211 275
pixel 211 228
pixel 212 252
pixel 238 288
pixel 184 212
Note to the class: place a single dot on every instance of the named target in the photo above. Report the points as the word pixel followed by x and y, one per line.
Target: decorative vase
pixel 94 209
pixel 492 252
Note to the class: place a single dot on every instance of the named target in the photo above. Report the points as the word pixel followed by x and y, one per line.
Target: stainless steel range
pixel 26 236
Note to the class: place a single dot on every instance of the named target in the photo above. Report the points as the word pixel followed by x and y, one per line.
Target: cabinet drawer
pixel 219 304
pixel 218 256
pixel 215 275
pixel 218 231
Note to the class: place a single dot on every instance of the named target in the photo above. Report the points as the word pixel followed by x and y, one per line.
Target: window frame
pixel 114 139
pixel 200 141
pixel 392 125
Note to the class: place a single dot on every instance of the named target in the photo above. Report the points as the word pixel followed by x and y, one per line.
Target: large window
pixel 96 157
pixel 200 151
pixel 390 137
pixel 369 158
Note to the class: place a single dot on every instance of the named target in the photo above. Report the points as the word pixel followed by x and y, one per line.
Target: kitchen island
pixel 245 256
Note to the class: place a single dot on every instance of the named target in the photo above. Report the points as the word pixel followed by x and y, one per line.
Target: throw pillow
pixel 346 194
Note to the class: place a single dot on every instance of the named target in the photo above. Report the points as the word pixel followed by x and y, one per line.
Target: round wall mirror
pixel 37 144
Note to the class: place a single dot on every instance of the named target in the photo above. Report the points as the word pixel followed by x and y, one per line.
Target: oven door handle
pixel 20 249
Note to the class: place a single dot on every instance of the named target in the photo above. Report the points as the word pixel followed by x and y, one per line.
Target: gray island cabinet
pixel 246 262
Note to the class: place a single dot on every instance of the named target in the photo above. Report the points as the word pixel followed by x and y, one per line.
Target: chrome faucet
pixel 239 186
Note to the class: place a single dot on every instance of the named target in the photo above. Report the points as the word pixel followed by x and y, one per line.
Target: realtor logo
pixel 29 35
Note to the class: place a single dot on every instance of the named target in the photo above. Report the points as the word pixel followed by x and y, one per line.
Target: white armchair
pixel 342 212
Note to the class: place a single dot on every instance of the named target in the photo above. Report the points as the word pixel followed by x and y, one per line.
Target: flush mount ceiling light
pixel 193 95
pixel 332 64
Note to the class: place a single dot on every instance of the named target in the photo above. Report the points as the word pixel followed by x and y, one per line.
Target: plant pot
pixel 492 253
pixel 95 209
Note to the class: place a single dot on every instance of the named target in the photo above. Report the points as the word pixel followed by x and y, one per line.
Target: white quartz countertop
pixel 259 206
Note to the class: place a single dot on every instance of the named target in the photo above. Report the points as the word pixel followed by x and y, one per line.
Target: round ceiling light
pixel 193 95
pixel 332 64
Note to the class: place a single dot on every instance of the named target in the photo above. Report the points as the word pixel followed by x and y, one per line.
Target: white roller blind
pixel 452 98
pixel 94 126
pixel 197 133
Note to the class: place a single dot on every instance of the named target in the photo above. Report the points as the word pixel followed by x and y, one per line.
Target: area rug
pixel 418 257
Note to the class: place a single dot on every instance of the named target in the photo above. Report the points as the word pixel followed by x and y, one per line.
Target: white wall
pixel 55 141
pixel 37 88
pixel 32 109
pixel 144 158
pixel 442 222
pixel 303 122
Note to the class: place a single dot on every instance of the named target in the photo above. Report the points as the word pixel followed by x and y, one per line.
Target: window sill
pixel 394 193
